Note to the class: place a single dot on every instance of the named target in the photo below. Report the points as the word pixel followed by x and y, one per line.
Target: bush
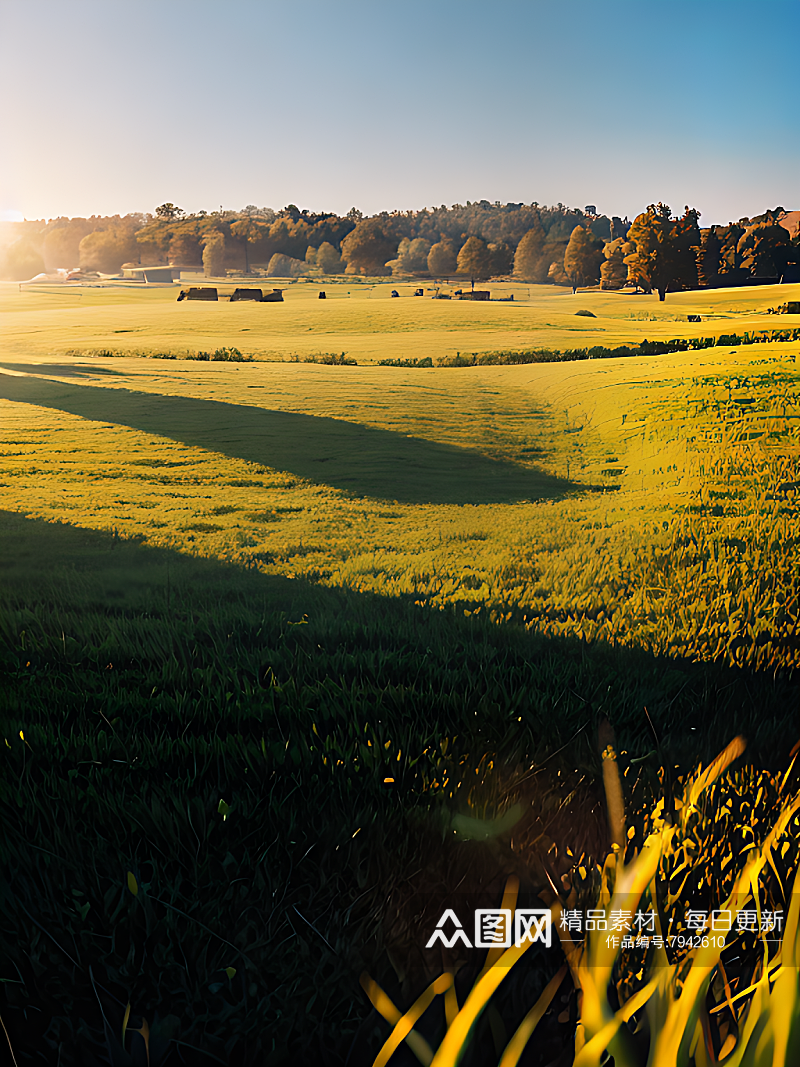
pixel 222 355
pixel 282 266
pixel 214 257
pixel 426 362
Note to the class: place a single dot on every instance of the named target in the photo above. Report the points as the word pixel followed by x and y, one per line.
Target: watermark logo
pixel 495 928
pixel 503 927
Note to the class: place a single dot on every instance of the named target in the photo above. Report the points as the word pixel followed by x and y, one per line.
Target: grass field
pixel 324 577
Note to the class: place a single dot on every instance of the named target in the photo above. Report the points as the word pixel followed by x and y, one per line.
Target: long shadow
pixel 347 455
pixel 54 570
pixel 65 370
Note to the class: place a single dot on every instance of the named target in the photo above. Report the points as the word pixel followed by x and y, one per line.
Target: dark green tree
pixel 708 258
pixel 764 249
pixel 666 249
pixel 168 212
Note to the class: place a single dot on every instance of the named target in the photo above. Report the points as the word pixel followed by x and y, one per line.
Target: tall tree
pixel 185 250
pixel 764 249
pixel 214 255
pixel 708 258
pixel 412 256
pixel 501 259
pixel 613 271
pixel 529 253
pixel 666 249
pixel 250 230
pixel 106 250
pixel 328 259
pixel 367 249
pixel 474 260
pixel 442 260
pixel 582 258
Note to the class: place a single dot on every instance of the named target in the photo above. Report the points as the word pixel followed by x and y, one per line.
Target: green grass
pixel 276 584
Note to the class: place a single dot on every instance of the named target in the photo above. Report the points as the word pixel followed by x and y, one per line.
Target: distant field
pixel 364 320
pixel 632 499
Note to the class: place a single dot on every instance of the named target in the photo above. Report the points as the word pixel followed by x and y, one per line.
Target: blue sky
pixel 112 106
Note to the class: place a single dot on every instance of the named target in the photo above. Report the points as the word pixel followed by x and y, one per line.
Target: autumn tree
pixel 474 259
pixel 281 266
pixel 665 253
pixel 412 256
pixel 248 230
pixel 442 261
pixel 501 259
pixel 106 250
pixel 328 259
pixel 613 270
pixel 367 249
pixel 214 255
pixel 529 254
pixel 555 273
pixel 764 249
pixel 582 258
pixel 185 250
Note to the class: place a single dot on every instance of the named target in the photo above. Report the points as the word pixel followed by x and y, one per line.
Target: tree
pixel 442 259
pixel 529 254
pixel 474 260
pixel 501 259
pixel 214 255
pixel 764 249
pixel 185 250
pixel 250 230
pixel 582 258
pixel 666 249
pixel 613 271
pixel 328 259
pixel 61 243
pixel 106 250
pixel 708 258
pixel 168 212
pixel 555 273
pixel 21 261
pixel 412 256
pixel 281 266
pixel 368 248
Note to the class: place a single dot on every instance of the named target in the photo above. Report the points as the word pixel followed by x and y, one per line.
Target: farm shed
pixel 151 274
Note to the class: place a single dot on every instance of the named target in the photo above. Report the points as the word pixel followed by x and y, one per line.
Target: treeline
pixel 512 357
pixel 478 241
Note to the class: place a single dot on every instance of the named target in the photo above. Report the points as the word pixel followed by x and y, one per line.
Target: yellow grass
pixel 465 486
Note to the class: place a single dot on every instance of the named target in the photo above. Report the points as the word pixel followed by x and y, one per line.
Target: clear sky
pixel 110 106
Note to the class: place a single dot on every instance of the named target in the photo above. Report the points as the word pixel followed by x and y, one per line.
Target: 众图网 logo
pixel 495 928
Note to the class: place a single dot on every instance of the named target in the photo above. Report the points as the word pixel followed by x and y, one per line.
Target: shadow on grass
pixel 348 456
pixel 498 683
pixel 152 686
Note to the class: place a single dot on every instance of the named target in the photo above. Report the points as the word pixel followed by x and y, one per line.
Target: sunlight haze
pixel 118 108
